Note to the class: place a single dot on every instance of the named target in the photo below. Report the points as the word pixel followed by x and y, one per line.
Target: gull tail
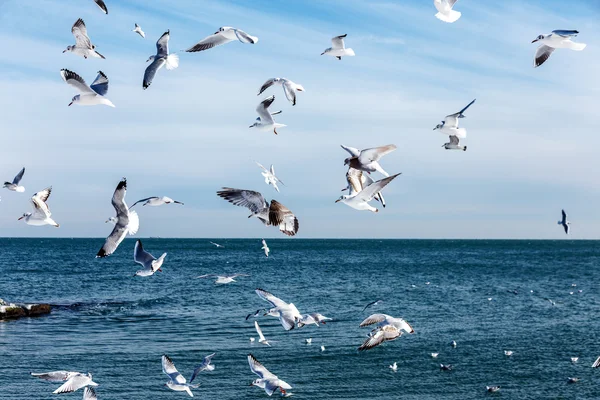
pixel 578 46
pixel 452 16
pixel 172 61
pixel 134 223
pixel 349 52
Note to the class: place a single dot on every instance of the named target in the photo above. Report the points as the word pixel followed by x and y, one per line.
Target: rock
pixel 11 311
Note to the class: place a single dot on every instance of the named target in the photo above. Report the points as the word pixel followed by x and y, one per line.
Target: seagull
pixel 139 31
pixel 217 245
pixel 83 46
pixel 596 363
pixel 574 359
pixel 361 200
pixel 14 186
pixel 322 348
pixel 162 57
pixel 573 380
pixel 508 353
pixel 308 341
pixel 265 120
pixel 565 224
pixel 112 220
pixel 287 313
pixel 394 367
pixel 76 382
pixel 100 3
pixel 265 248
pixel 388 328
pixel 177 382
pixel 289 88
pixel 275 213
pixel 314 318
pixel 89 394
pixel 446 367
pixel 338 49
pixel 225 34
pixel 127 221
pixel 559 39
pixel 55 376
pixel 41 213
pixel 357 181
pixel 453 344
pixel 449 126
pixel 368 160
pixel 492 389
pixel 267 380
pixel 251 340
pixel 446 13
pixel 269 175
pixel 156 201
pixel 147 260
pixel 88 95
pixel 374 303
pixel 205 366
pixel 222 279
pixel 434 355
pixel 261 338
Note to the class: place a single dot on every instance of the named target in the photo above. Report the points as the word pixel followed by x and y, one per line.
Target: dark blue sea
pixel 117 326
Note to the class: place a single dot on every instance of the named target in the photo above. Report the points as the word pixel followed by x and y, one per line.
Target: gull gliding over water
pixel 41 212
pixel 156 201
pixel 139 31
pixel 357 181
pixel 14 185
pixel 147 260
pixel 205 366
pixel 559 39
pixel 88 95
pixel 83 45
pixel 265 248
pixel 269 175
pixel 224 35
pixel 162 57
pixel 265 119
pixel 261 337
pixel 289 88
pixel 287 313
pixel 177 381
pixel 54 376
pixel 449 126
pixel 76 382
pixel 360 201
pixel 565 223
pixel 127 221
pixel 222 279
pixel 388 328
pixel 368 159
pixel 445 11
pixel 267 380
pixel 338 48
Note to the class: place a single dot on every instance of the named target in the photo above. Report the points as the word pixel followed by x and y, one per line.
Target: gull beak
pixel 337 201
pixel 533 41
pixel 322 53
pixel 435 128
pixel 70 104
pixel 64 51
pixel 20 218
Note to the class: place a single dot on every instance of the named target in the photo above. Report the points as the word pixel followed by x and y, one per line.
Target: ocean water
pixel 117 326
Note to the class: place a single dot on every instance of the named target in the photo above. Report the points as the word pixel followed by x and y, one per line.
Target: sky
pixel 532 137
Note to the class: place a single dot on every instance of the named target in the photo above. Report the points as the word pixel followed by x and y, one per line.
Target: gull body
pixel 177 382
pixel 267 380
pixel 449 126
pixel 14 185
pixel 162 58
pixel 225 34
pixel 361 200
pixel 265 119
pixel 559 39
pixel 155 201
pixel 287 313
pixel 492 389
pixel 338 48
pixel 139 31
pixel 88 95
pixel 261 337
pixel 289 88
pixel 508 353
pixel 269 175
pixel 574 359
pixel 83 46
pixel 357 180
pixel 322 348
pixel 265 248
pixel 147 260
pixel 76 382
pixel 445 11
pixel 367 160
pixel 394 367
pixel 222 279
pixel 565 223
pixel 41 214
pixel 388 328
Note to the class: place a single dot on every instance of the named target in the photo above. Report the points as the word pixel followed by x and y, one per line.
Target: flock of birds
pixel 361 187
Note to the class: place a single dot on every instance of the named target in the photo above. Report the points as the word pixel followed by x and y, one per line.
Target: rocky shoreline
pixel 19 310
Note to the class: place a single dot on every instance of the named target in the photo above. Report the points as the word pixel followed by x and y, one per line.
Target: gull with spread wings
pixel 14 185
pixel 162 57
pixel 367 160
pixel 338 49
pixel 267 380
pixel 177 382
pixel 265 119
pixel 88 95
pixel 41 214
pixel 449 126
pixel 150 263
pixel 225 34
pixel 289 88
pixel 83 45
pixel 360 200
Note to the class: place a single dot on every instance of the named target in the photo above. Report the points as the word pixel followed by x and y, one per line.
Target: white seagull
pixel 269 175
pixel 287 313
pixel 139 31
pixel 449 126
pixel 162 57
pixel 357 181
pixel 360 201
pixel 217 245
pixel 100 3
pixel 388 328
pixel 308 341
pixel 314 318
pixel 338 49
pixel 289 88
pixel 565 223
pixel 55 376
pixel 445 11
pixel 267 380
pixel 41 213
pixel 156 201
pixel 14 185
pixel 127 221
pixel 265 120
pixel 147 260
pixel 492 389
pixel 574 359
pixel 434 355
pixel 88 95
pixel 508 353
pixel 265 248
pixel 224 35
pixel 559 39
pixel 261 337
pixel 222 279
pixel 368 159
pixel 83 46
pixel 394 367
pixel 275 213
pixel 76 382
pixel 204 366
pixel 177 381
pixel 596 363
pixel 89 394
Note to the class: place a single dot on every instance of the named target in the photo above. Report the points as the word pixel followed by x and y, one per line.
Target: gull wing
pixel 202 367
pixel 542 54
pixel 368 193
pixel 76 81
pixel 100 84
pixel 287 318
pixel 290 92
pixel 283 218
pixel 354 152
pixel 162 45
pixel 120 229
pixel 244 37
pixel 263 110
pixel 338 42
pixel 141 256
pixel 151 71
pixel 89 393
pixel 54 376
pixel 565 33
pixel 81 37
pixel 100 3
pixel 254 201
pixel 39 202
pixel 373 319
pixel 451 3
pixel 169 369
pixel 267 85
pixel 275 301
pixel 564 216
pixel 74 383
pixel 142 200
pixel 382 335
pixel 209 42
pixel 354 178
pixel 454 140
pixel 19 176
pixel 259 369
pixel 369 155
pixel 259 331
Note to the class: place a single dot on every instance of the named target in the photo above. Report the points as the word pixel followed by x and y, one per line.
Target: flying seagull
pixel 275 213
pixel 265 248
pixel 41 212
pixel 55 376
pixel 449 126
pixel 394 366
pixel 127 221
pixel 565 223
pixel 147 260
pixel 100 3
pixel 373 303
pixel 224 35
pixel 14 185
pixel 217 245
pixel 222 279
pixel 357 181
pixel 162 57
pixel 88 95
pixel 338 49
pixel 156 201
pixel 287 313
pixel 205 366
pixel 360 201
pixel 267 380
pixel 559 39
pixel 289 88
pixel 83 45
pixel 261 337
pixel 313 318
pixel 139 31
pixel 596 363
pixel 492 389
pixel 445 11
pixel 76 382
pixel 269 175
pixel 388 328
pixel 368 159
pixel 265 120
pixel 177 382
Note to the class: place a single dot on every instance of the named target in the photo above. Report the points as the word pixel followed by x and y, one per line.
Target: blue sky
pixel 531 137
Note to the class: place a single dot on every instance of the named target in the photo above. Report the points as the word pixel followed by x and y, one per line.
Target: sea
pixel 538 299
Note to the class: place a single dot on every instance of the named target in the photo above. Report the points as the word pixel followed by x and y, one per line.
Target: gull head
pixel 25 215
pixel 223 29
pixel 439 126
pixel 151 58
pixel 348 160
pixel 258 382
pixel 74 100
pixel 111 220
pixel 69 48
pixel 255 124
pixel 326 51
pixel 167 199
pixel 540 37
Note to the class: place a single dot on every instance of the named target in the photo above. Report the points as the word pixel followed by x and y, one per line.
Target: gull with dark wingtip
pixel 559 39
pixel 565 223
pixel 225 34
pixel 449 126
pixel 83 45
pixel 162 57
pixel 14 185
pixel 265 119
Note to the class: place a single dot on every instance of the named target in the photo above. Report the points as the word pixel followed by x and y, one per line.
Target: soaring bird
pixel 83 45
pixel 225 34
pixel 14 185
pixel 162 57
pixel 267 380
pixel 368 159
pixel 559 39
pixel 445 11
pixel 338 49
pixel 41 214
pixel 88 95
pixel 150 263
pixel 177 382
pixel 449 126
pixel 265 119
pixel 289 88
pixel 565 223
pixel 360 200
